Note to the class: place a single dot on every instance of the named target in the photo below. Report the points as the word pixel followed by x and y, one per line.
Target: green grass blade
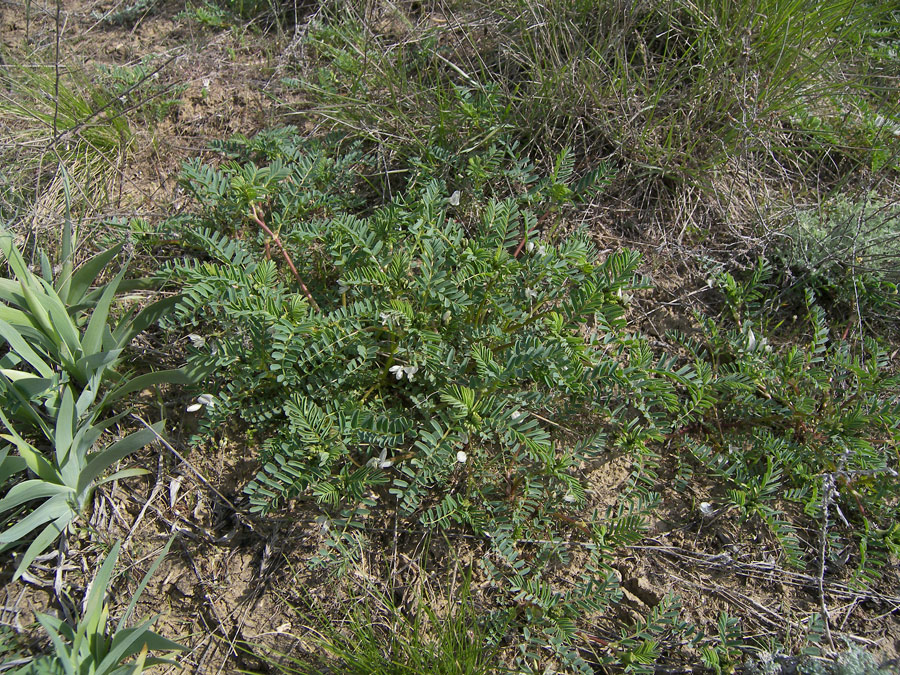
pixel 141 586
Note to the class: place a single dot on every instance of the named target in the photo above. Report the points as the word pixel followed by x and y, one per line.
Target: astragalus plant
pixel 429 358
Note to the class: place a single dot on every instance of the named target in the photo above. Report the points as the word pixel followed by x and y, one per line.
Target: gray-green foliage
pixel 89 647
pixel 849 249
pixel 853 661
pixel 59 374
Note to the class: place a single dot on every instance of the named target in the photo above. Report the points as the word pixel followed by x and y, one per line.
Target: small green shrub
pixel 428 357
pixel 137 88
pixel 848 252
pixel 798 434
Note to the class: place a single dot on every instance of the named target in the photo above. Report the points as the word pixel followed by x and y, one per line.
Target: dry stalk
pixel 827 497
pixel 254 215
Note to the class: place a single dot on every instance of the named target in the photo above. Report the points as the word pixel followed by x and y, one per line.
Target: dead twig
pixel 254 215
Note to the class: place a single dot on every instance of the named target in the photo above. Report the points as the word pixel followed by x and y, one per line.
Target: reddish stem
pixel 259 221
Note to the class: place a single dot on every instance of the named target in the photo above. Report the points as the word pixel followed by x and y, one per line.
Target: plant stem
pixel 259 221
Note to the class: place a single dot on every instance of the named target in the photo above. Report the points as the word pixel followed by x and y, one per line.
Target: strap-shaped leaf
pixel 62 324
pixel 93 607
pixel 99 462
pixel 29 490
pixel 96 361
pixel 93 337
pixel 129 642
pixel 148 316
pixel 33 458
pixel 24 403
pixel 10 465
pixel 18 344
pixel 86 275
pixel 147 380
pixel 66 245
pixel 63 655
pixel 119 475
pixel 65 426
pixel 11 293
pixel 54 508
pixel 16 316
pixel 28 387
pixel 87 434
pixel 47 536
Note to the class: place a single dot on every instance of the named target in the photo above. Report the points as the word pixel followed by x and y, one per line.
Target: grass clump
pixel 62 124
pixel 674 91
pixel 378 635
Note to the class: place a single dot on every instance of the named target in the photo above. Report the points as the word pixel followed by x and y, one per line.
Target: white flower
pixel 542 250
pixel 707 509
pixel 461 457
pixel 400 371
pixel 569 498
pixel 381 462
pixel 516 414
pixel 202 400
pixel 454 198
pixel 530 293
pixel 530 246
